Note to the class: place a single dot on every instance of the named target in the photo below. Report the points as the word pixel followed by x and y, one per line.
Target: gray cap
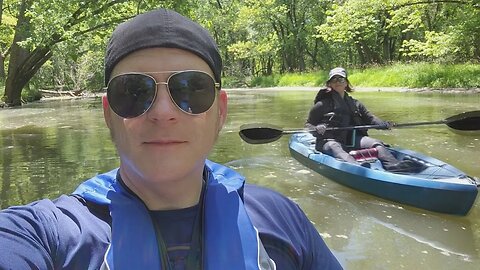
pixel 338 71
pixel 162 28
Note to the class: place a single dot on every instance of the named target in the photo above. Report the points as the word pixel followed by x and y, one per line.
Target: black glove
pixel 321 128
pixel 386 125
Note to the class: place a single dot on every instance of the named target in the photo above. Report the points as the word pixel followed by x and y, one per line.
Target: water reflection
pixel 49 148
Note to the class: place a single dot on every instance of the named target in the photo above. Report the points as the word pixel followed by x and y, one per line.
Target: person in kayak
pixel 166 206
pixel 334 107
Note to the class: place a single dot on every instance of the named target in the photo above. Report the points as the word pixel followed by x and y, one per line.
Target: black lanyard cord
pixel 162 249
pixel 195 255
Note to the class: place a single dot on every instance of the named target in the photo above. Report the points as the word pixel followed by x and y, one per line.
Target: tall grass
pixel 415 75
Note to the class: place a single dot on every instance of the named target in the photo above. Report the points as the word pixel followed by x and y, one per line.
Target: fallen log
pixel 55 93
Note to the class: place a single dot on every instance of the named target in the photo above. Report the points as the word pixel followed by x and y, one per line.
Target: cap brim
pixel 337 74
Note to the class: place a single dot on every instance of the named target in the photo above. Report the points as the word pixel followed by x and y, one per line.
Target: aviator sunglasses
pixel 132 94
pixel 338 79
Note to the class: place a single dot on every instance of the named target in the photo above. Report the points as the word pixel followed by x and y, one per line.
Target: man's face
pixel 164 144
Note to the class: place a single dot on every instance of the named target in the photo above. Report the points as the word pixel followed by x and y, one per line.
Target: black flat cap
pixel 162 28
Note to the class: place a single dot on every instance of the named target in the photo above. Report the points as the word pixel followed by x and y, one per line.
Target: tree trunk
pixel 360 53
pixel 23 64
pixel 13 86
pixel 14 83
pixel 370 56
pixel 476 49
pixel 2 67
pixel 2 56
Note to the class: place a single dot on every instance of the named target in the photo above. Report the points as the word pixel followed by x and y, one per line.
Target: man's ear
pixel 222 108
pixel 107 113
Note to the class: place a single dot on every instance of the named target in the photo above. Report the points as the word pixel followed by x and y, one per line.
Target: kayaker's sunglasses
pixel 132 94
pixel 338 79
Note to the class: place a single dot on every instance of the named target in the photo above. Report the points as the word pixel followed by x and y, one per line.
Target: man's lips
pixel 164 142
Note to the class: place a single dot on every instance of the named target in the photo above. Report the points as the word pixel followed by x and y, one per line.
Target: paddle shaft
pixel 263 133
pixel 420 123
pixel 394 125
pixel 292 131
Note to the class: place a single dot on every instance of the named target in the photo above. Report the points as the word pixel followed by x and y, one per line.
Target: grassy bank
pixel 417 75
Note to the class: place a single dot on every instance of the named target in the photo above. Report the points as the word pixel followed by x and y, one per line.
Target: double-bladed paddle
pixel 258 133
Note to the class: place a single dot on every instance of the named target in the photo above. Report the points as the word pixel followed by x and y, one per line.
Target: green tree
pixel 446 32
pixel 43 24
pixel 381 31
pixel 254 46
pixel 277 35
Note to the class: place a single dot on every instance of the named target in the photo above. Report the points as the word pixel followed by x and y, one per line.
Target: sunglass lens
pixel 192 91
pixel 130 95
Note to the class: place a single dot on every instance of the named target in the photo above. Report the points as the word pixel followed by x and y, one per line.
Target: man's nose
pixel 162 107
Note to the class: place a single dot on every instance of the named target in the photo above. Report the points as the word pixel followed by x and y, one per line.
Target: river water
pixel 48 148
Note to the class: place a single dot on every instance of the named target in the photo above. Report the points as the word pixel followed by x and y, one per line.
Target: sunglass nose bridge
pixel 161 83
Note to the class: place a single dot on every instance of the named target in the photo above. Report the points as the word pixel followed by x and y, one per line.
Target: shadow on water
pixel 48 148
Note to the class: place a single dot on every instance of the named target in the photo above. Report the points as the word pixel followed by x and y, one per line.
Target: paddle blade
pixel 465 121
pixel 259 133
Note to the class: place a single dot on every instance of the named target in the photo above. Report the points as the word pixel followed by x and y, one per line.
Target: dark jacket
pixel 329 108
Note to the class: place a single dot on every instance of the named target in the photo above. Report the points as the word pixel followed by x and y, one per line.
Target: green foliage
pixel 301 79
pixel 453 44
pixel 266 43
pixel 6 29
pixel 231 82
pixel 351 22
pixel 255 43
pixel 380 31
pixel 265 81
pixel 31 94
pixel 415 75
pixel 419 75
pixel 436 45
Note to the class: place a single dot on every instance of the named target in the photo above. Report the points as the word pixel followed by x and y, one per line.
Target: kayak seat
pixel 365 154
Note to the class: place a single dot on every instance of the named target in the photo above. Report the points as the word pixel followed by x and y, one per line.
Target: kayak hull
pixel 440 187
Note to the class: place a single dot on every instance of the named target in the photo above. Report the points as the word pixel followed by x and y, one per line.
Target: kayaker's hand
pixel 387 125
pixel 321 129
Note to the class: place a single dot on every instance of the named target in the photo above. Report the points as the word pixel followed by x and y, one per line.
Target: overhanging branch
pixel 96 27
pixel 436 2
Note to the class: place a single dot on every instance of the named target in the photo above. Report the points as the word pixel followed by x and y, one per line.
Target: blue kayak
pixel 438 187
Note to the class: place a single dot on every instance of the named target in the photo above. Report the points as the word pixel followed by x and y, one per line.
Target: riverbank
pixel 368 89
pixel 297 88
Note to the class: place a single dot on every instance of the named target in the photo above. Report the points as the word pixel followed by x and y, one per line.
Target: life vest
pixel 324 94
pixel 230 240
pixel 342 112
